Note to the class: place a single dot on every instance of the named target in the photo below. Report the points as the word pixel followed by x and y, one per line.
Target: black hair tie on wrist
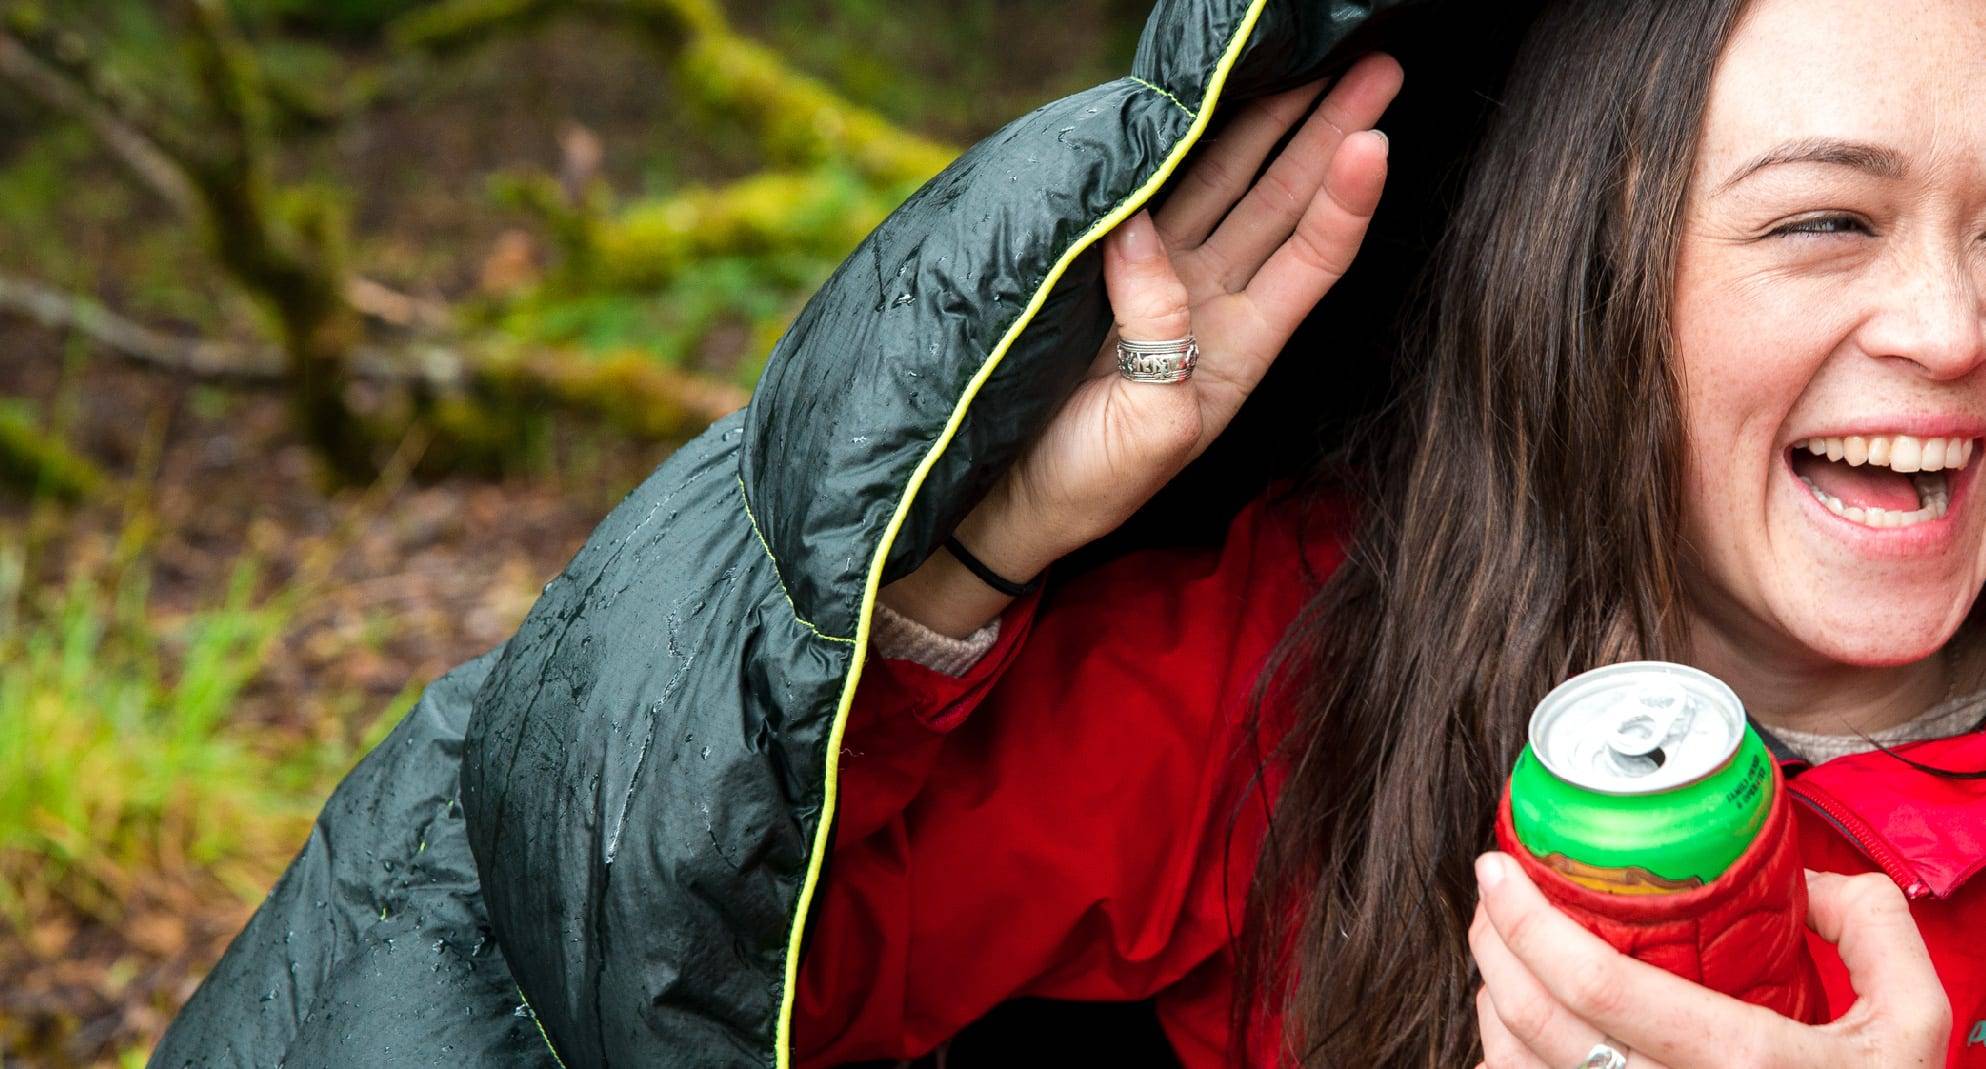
pixel 987 575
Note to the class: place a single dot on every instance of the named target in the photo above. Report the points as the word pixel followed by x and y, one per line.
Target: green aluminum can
pixel 1641 778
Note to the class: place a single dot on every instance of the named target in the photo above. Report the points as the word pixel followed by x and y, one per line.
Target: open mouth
pixel 1886 481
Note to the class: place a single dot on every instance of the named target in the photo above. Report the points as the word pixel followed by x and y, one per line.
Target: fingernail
pixel 1140 238
pixel 1491 869
pixel 1382 135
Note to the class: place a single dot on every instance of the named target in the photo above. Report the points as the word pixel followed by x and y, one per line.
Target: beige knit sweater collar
pixel 1953 716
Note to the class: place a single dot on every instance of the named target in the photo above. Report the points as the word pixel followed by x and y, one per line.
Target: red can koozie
pixel 1743 933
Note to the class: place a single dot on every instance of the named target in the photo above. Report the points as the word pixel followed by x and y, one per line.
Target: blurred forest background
pixel 328 328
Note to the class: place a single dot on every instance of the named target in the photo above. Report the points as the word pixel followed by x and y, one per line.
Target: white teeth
pixel 1898 452
pixel 1933 494
pixel 1906 454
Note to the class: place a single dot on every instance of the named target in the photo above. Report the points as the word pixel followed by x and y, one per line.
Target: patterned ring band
pixel 1158 361
pixel 1604 1055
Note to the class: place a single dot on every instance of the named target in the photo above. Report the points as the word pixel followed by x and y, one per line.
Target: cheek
pixel 1744 364
pixel 1748 353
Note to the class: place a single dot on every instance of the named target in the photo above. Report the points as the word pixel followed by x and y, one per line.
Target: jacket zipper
pixel 1856 831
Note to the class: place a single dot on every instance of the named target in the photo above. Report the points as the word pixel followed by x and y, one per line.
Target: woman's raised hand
pixel 1233 259
pixel 1551 990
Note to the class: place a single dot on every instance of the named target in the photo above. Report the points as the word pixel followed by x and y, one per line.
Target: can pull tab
pixel 1644 722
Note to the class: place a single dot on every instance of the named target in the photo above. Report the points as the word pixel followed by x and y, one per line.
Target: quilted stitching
pixel 1743 934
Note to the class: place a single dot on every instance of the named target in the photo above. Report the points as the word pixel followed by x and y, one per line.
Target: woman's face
pixel 1830 290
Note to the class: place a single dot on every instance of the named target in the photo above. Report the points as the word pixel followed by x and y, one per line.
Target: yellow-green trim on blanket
pixel 1097 230
pixel 778 573
pixel 542 1034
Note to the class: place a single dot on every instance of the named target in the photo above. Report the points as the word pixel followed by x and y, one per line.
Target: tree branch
pixel 62 311
pixel 643 397
pixel 379 301
pixel 67 90
pixel 153 166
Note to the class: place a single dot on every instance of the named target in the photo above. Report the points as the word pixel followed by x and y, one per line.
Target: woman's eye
pixel 1822 224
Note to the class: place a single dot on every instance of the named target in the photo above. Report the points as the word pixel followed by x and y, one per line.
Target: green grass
pixel 120 760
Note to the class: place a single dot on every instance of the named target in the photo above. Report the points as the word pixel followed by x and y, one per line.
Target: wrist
pixel 987 575
pixel 1013 537
pixel 943 595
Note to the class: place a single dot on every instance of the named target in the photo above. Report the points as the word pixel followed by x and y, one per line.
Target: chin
pixel 1904 631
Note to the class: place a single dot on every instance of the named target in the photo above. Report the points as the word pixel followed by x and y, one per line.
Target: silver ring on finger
pixel 1604 1055
pixel 1158 361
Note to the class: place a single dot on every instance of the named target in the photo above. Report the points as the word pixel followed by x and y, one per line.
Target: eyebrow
pixel 1862 156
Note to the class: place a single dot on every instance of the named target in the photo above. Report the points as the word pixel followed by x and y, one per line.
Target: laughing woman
pixel 1702 378
pixel 969 666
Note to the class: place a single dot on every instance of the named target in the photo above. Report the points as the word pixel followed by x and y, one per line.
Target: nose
pixel 1932 313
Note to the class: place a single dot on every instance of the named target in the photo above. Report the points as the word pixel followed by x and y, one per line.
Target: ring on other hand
pixel 1158 361
pixel 1604 1055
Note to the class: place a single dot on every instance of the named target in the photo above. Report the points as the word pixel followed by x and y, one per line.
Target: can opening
pixel 1635 765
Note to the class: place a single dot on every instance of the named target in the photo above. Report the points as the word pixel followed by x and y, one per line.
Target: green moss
pixel 666 275
pixel 799 119
pixel 823 213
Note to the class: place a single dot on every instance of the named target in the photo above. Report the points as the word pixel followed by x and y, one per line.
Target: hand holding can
pixel 1648 810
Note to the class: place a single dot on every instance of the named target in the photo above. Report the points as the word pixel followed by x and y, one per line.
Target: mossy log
pixel 648 244
pixel 488 423
pixel 797 119
pixel 479 381
pixel 632 392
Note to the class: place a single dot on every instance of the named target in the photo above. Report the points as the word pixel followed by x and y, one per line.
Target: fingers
pixel 1269 210
pixel 1146 296
pixel 1501 1049
pixel 1515 1006
pixel 1659 1016
pixel 1869 922
pixel 1326 239
pixel 1221 174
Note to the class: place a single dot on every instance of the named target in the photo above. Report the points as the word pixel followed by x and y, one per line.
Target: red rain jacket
pixel 1056 822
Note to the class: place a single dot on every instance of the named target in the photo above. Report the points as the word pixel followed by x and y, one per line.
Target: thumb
pixel 1147 298
pixel 1869 923
pixel 1157 425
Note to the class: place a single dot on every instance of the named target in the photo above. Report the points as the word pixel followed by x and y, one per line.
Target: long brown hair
pixel 1521 524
